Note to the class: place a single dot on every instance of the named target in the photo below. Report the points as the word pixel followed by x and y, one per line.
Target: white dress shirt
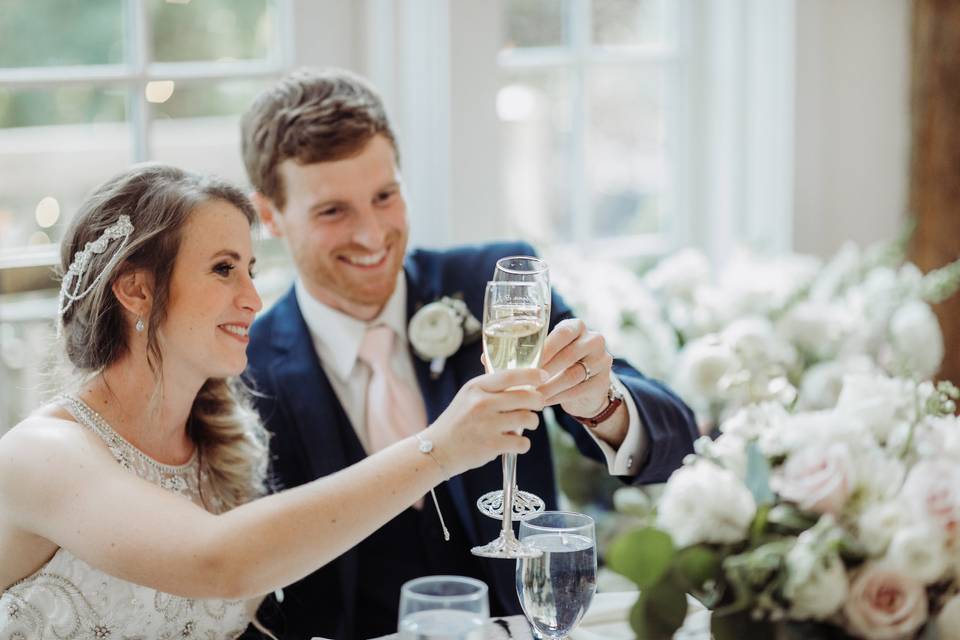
pixel 337 337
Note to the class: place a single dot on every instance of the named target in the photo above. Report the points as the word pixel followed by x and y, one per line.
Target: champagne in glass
pixel 443 608
pixel 556 588
pixel 514 329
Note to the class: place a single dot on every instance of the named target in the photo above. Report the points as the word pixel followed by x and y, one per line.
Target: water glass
pixel 556 588
pixel 443 608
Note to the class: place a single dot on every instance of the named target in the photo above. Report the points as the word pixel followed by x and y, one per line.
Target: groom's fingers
pixel 563 334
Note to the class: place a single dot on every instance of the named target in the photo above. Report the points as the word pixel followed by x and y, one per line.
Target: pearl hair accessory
pixel 73 278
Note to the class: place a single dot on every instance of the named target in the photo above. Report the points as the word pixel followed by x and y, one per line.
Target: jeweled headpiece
pixel 73 278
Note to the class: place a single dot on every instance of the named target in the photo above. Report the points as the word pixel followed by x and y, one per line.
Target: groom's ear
pixel 134 291
pixel 269 215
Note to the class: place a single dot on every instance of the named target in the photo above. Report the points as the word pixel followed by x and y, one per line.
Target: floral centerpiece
pixel 786 328
pixel 833 523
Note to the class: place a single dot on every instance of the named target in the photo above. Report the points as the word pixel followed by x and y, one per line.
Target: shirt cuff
pixel 626 460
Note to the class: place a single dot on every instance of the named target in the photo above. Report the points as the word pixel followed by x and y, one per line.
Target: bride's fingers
pixel 503 380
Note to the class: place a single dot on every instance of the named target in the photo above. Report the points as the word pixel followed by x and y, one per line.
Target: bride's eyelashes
pixel 224 268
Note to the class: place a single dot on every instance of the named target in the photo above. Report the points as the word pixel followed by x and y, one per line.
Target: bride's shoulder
pixel 49 439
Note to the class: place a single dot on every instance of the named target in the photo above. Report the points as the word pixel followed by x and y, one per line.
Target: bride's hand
pixel 484 420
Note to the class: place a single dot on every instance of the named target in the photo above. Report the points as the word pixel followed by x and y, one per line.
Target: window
pixel 86 88
pixel 89 86
pixel 588 108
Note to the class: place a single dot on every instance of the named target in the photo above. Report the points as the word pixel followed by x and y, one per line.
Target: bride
pixel 129 507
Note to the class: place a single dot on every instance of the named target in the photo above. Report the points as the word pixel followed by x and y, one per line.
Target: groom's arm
pixel 642 437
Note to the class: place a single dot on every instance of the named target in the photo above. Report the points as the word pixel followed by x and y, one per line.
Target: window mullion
pixel 138 26
pixel 580 29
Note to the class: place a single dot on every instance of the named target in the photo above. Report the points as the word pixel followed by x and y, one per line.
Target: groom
pixel 323 159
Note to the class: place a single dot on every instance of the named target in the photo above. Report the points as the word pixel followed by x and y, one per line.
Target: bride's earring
pixel 139 326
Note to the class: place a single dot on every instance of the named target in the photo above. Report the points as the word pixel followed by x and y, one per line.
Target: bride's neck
pixel 154 420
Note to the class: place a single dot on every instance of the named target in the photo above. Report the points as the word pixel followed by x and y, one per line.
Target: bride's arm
pixel 61 483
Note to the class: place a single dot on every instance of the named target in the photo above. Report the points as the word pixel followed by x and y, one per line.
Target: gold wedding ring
pixel 586 370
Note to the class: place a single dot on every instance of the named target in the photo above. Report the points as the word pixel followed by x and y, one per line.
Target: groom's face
pixel 346 225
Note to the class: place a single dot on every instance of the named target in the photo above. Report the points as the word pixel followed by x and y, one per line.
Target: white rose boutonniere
pixel 437 330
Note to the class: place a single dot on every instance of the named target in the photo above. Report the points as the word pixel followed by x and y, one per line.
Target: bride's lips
pixel 237 331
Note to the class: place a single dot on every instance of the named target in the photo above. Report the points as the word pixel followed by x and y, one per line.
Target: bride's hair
pixel 158 200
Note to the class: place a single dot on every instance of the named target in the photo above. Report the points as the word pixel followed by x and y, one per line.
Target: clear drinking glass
pixel 556 588
pixel 443 608
pixel 514 328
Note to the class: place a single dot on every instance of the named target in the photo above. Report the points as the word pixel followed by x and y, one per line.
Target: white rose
pixel 818 328
pixel 821 384
pixel 877 524
pixel 816 587
pixel 435 331
pixel 679 274
pixel 938 437
pixel 810 428
pixel 916 340
pixel 729 451
pixel 817 479
pixel 881 403
pixel 753 420
pixel 917 551
pixel 701 365
pixel 704 503
pixel 948 622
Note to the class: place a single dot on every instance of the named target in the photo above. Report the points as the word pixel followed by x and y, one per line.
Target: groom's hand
pixel 579 367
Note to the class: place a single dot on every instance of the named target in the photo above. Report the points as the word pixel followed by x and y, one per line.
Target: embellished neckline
pixel 86 415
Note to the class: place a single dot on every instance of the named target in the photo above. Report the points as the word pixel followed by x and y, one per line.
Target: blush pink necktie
pixel 394 410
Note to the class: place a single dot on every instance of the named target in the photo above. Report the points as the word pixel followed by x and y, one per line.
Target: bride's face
pixel 212 299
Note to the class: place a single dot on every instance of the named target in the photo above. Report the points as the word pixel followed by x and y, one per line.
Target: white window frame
pixel 579 56
pixel 133 76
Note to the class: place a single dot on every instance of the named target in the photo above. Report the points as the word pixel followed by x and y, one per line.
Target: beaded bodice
pixel 67 598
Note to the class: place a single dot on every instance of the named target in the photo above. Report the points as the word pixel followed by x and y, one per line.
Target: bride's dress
pixel 67 598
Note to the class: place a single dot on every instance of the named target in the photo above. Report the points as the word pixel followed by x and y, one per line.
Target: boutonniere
pixel 437 330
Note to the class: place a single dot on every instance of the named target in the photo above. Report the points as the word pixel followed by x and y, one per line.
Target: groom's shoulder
pixel 471 259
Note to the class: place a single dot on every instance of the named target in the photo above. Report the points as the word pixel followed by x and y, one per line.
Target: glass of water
pixel 556 588
pixel 443 608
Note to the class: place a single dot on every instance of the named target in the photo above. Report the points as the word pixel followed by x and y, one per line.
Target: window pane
pixel 55 145
pixel 42 33
pixel 627 168
pixel 198 127
pixel 628 22
pixel 534 108
pixel 535 23
pixel 212 30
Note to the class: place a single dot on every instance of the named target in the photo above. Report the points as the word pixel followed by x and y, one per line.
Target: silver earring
pixel 139 326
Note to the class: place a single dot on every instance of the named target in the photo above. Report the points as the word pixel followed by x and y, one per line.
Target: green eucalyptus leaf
pixel 659 612
pixel 758 475
pixel 643 555
pixel 695 565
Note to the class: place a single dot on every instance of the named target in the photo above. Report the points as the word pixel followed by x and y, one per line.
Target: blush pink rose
pixel 885 605
pixel 818 479
pixel 933 488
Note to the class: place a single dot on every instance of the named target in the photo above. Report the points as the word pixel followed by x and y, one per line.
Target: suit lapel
pixel 437 392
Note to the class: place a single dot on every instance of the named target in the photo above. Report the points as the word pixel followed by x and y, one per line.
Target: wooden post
pixel 935 155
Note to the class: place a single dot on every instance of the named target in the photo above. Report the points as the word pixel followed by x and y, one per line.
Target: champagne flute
pixel 518 269
pixel 443 608
pixel 514 328
pixel 556 588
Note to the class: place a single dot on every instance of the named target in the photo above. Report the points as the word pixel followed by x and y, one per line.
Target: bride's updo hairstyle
pixel 157 201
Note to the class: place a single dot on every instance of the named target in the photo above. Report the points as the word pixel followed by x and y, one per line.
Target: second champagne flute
pixel 514 328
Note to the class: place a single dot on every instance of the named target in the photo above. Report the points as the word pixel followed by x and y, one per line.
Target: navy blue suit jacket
pixel 302 412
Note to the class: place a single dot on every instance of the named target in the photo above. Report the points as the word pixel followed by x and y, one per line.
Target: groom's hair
pixel 309 116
